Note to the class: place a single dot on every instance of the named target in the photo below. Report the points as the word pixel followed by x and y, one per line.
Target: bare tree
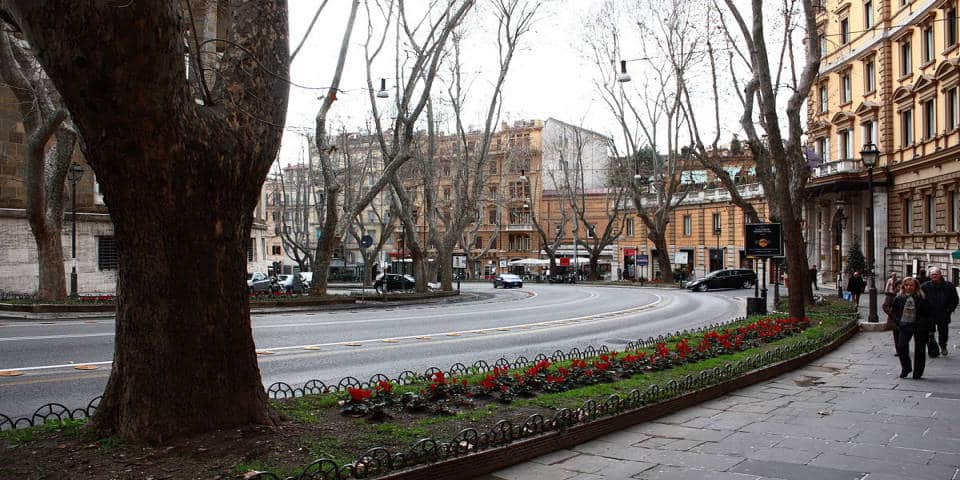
pixel 426 38
pixel 50 142
pixel 156 150
pixel 467 154
pixel 781 165
pixel 649 113
pixel 582 195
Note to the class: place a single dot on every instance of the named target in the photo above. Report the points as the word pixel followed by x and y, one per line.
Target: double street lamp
pixel 73 176
pixel 869 156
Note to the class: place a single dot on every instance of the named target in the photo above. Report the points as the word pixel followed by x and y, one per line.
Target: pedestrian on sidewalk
pixel 855 286
pixel 890 294
pixel 813 277
pixel 910 311
pixel 942 296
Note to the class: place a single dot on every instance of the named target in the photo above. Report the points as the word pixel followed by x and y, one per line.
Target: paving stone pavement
pixel 846 416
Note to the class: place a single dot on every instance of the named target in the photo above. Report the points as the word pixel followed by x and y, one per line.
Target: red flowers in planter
pixel 384 387
pixel 359 394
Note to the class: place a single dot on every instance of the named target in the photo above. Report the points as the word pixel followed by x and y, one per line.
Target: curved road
pixel 326 345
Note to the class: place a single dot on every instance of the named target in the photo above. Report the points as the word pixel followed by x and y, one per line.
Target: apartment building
pixel 888 77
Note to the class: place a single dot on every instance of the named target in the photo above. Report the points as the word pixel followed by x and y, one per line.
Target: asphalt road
pixel 328 345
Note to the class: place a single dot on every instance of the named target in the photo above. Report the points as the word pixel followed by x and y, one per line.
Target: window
pixel 869 132
pixel 906 128
pixel 868 14
pixel 906 62
pixel 823 148
pixel 478 243
pixel 823 97
pixel 277 250
pixel 630 227
pixel 950 27
pixel 687 225
pixel 844 31
pixel 446 193
pixel 952 111
pixel 870 76
pixel 492 191
pixel 846 95
pixel 929 119
pixel 250 250
pixel 492 218
pixel 371 216
pixel 107 254
pixel 822 43
pixel 928 44
pixel 930 213
pixel 907 215
pixel 846 144
pixel 717 223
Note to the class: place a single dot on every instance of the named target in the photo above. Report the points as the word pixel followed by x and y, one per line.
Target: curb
pixel 489 461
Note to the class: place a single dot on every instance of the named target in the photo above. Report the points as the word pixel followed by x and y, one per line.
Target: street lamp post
pixel 74 175
pixel 869 156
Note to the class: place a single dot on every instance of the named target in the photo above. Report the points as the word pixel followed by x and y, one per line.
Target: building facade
pixel 888 77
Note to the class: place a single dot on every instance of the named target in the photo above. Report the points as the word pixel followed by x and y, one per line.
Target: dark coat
pixel 942 297
pixel 923 311
pixel 856 285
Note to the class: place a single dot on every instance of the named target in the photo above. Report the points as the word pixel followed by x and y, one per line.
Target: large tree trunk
pixel 663 257
pixel 445 260
pixel 181 179
pixel 594 266
pixel 52 286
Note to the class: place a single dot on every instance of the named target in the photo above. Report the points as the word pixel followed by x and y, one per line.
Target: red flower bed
pixel 441 392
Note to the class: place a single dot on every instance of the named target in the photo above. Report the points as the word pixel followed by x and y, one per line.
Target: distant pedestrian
pixel 893 284
pixel 813 277
pixel 942 296
pixel 910 312
pixel 890 294
pixel 855 286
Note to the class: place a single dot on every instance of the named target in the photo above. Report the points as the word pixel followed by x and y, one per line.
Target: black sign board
pixel 763 240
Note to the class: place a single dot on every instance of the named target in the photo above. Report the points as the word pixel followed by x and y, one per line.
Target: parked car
pixel 264 284
pixel 730 278
pixel 562 278
pixel 507 280
pixel 291 284
pixel 255 277
pixel 387 282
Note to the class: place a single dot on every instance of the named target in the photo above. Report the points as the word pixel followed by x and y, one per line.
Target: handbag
pixel 933 349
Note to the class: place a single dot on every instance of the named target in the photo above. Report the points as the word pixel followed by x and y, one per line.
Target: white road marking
pixel 357 343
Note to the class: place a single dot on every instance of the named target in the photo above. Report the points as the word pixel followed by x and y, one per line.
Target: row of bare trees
pixel 161 140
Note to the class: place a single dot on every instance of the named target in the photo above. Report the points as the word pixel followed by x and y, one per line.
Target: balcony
pixel 712 195
pixel 519 227
pixel 849 165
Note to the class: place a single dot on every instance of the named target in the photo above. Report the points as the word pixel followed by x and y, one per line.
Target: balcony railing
pixel 848 165
pixel 519 227
pixel 712 195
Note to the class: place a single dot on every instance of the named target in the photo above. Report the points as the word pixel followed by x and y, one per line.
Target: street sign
pixel 643 260
pixel 564 262
pixel 459 261
pixel 763 240
pixel 680 258
pixel 365 241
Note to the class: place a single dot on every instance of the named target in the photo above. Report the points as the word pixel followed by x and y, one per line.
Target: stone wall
pixel 18 257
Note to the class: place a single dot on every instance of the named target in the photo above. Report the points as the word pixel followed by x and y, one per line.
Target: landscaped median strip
pixel 785 339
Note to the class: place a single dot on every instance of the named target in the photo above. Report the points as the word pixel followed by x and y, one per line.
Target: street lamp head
pixel 869 155
pixel 383 93
pixel 623 77
pixel 75 173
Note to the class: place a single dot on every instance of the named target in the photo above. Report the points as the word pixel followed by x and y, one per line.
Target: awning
pixel 528 262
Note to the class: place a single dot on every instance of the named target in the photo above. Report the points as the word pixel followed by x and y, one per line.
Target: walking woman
pixel 910 312
pixel 890 294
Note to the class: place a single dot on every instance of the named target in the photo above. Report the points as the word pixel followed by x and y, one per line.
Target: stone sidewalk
pixel 847 416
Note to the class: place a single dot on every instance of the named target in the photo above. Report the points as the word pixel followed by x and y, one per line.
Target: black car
pixel 387 282
pixel 730 278
pixel 507 280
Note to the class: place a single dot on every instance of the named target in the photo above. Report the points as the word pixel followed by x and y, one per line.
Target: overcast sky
pixel 549 77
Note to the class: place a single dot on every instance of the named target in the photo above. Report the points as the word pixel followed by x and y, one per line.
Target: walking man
pixel 942 297
pixel 855 286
